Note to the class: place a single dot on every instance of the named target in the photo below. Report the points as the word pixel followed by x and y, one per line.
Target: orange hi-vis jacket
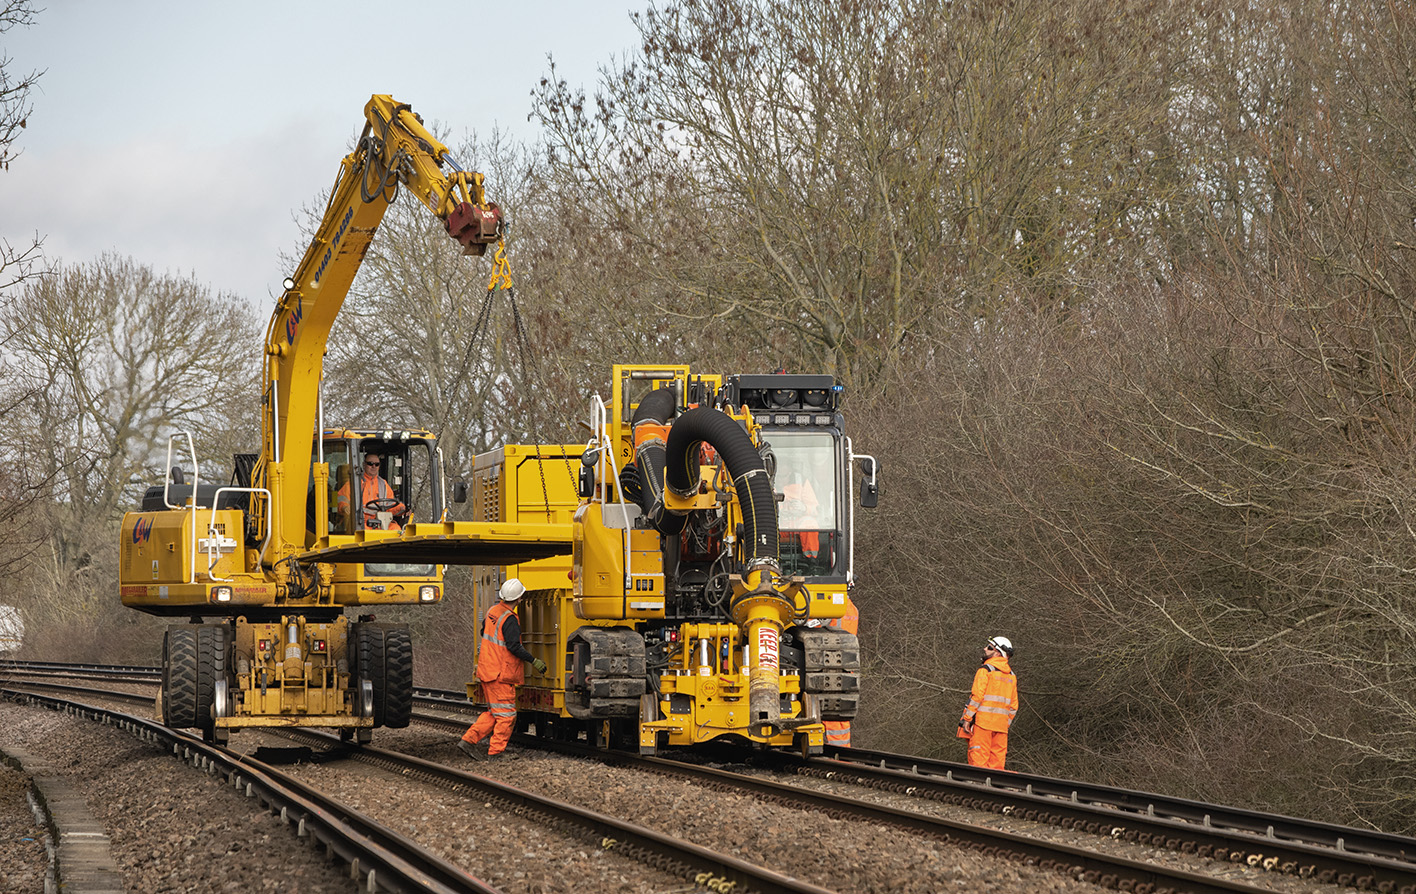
pixel 496 662
pixel 994 700
pixel 372 487
pixel 850 621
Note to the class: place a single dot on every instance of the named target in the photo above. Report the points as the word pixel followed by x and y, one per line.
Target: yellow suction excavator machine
pixel 712 521
pixel 323 520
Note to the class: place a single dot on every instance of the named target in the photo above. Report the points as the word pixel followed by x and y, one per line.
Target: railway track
pixel 1309 850
pixel 1323 852
pixel 382 859
pixel 1113 814
pixel 378 857
pixel 1171 815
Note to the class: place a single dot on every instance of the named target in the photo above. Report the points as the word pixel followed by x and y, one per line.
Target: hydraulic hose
pixel 745 465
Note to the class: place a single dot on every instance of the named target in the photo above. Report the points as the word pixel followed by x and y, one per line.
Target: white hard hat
pixel 512 590
pixel 1002 644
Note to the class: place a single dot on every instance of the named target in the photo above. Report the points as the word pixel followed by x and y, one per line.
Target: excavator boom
pixel 395 149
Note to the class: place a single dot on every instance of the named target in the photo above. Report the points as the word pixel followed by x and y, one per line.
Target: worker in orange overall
pixel 992 706
pixel 799 516
pixel 838 732
pixel 500 669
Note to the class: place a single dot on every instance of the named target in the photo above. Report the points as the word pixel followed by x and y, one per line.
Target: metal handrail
pixel 850 499
pixel 196 480
pixel 213 547
pixel 599 424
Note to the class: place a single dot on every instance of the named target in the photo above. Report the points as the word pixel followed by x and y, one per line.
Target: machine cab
pixel 379 480
pixel 808 463
pixel 376 481
pixel 809 512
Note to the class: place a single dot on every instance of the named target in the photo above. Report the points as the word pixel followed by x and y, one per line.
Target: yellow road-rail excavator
pixel 323 520
pixel 712 524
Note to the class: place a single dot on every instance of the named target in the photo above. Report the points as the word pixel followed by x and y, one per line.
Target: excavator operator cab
pixel 380 481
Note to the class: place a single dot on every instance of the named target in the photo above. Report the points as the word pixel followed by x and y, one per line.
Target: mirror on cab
pixel 869 490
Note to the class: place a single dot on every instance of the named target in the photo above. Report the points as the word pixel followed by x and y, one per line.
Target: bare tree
pixel 1189 497
pixel 20 487
pixel 828 177
pixel 105 361
pixel 14 89
pixel 17 262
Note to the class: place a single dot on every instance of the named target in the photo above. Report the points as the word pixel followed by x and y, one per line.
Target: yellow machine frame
pixel 615 581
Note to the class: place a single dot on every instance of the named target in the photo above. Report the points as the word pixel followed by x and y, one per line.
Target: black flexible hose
pixel 631 485
pixel 657 408
pixel 749 473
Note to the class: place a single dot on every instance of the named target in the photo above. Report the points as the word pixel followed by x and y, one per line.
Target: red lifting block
pixel 475 227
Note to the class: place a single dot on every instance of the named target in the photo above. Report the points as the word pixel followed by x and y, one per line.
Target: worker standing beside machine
pixel 500 670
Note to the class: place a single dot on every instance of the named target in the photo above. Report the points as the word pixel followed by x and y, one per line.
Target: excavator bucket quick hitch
pixel 475 227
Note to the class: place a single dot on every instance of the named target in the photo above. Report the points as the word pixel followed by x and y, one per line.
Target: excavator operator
pixel 380 505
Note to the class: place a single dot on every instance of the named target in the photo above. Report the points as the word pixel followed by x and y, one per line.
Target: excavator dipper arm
pixel 395 149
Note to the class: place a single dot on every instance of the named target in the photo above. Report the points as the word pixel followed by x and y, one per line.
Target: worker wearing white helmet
pixel 500 668
pixel 992 705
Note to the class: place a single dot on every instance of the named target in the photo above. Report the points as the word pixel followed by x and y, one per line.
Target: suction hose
pixel 650 425
pixel 745 465
pixel 761 611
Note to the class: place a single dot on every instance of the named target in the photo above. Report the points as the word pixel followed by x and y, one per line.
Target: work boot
pixel 471 750
pixel 504 756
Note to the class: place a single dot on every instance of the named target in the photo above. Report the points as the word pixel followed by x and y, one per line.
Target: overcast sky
pixel 187 133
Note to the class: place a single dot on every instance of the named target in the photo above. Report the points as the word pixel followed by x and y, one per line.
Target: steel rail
pixel 376 855
pixel 698 864
pixel 1108 871
pixel 1323 851
pixel 141 670
pixel 1323 864
pixel 1214 841
pixel 1195 813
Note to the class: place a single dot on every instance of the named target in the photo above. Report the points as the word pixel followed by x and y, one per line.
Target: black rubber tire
pixel 368 662
pixel 179 677
pixel 384 653
pixel 211 666
pixel 397 697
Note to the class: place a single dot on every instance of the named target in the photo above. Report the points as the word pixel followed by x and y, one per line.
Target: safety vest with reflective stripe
pixel 377 489
pixel 495 662
pixel 994 700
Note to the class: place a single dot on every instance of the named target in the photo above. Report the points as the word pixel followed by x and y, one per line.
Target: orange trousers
pixel 499 719
pixel 838 733
pixel 987 748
